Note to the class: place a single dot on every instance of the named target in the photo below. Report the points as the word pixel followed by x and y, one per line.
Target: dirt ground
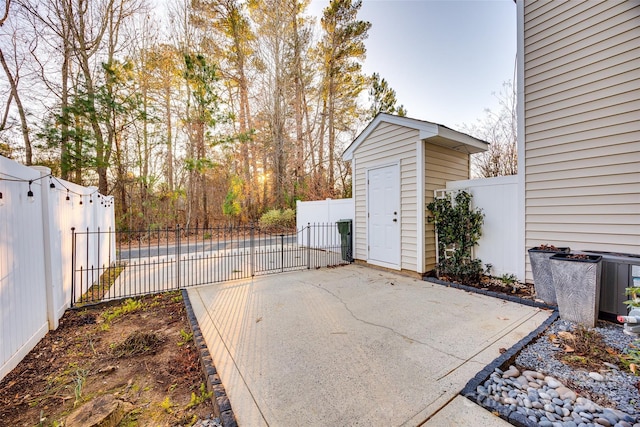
pixel 141 351
pixel 508 286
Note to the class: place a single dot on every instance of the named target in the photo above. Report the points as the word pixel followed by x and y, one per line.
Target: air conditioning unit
pixel 619 271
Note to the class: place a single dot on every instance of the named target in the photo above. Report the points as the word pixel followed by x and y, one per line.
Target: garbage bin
pixel 344 228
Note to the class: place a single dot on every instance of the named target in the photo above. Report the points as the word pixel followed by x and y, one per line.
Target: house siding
pixel 388 144
pixel 581 125
pixel 441 165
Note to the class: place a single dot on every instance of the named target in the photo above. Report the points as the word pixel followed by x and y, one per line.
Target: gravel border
pixel 221 405
pixel 469 390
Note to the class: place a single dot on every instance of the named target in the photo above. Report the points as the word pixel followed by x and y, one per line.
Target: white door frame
pixel 398 242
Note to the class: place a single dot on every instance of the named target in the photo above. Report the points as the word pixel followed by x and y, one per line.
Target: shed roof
pixel 431 132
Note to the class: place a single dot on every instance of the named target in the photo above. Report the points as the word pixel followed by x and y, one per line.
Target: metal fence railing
pixel 160 260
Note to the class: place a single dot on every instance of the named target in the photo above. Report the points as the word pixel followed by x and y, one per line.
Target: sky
pixel 444 58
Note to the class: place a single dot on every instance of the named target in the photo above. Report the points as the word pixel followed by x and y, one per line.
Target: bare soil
pixel 508 287
pixel 141 351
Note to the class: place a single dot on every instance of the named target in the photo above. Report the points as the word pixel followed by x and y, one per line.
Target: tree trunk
pixel 23 118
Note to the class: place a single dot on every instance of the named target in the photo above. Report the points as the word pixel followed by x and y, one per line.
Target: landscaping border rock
pixel 221 405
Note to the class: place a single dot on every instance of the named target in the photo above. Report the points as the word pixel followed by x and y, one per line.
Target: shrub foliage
pixel 459 227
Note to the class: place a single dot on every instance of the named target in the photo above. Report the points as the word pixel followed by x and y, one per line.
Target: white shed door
pixel 383 194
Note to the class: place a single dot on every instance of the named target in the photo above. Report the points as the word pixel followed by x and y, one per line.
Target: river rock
pixel 511 372
pixel 596 376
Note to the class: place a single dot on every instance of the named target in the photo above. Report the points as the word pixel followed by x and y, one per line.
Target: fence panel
pixel 23 298
pixel 323 212
pixel 154 261
pixel 498 199
pixel 35 256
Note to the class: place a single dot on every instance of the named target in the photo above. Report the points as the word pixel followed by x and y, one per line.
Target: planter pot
pixel 542 278
pixel 577 285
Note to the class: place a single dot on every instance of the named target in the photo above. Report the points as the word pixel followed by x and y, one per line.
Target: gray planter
pixel 577 284
pixel 541 269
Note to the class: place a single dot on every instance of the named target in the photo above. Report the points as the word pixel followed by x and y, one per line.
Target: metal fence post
pixel 73 266
pixel 308 246
pixel 178 252
pixel 252 251
pixel 281 252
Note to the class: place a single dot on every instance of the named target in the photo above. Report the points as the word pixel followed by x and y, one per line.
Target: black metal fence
pixel 112 265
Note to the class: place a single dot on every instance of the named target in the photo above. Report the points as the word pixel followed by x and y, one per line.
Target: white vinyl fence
pixel 327 211
pixel 35 251
pixel 498 199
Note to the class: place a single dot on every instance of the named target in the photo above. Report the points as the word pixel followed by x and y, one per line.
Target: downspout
pixel 521 231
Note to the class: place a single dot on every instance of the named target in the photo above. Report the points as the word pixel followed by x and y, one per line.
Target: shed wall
pixel 441 165
pixel 581 127
pixel 388 144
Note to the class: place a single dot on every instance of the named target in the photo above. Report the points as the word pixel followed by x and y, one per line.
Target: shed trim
pixel 420 208
pixel 435 133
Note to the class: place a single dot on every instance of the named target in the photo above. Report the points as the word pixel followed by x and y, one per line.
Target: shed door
pixel 383 194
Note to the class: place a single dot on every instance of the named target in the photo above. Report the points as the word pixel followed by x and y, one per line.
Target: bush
pixel 277 219
pixel 459 228
pixel 288 218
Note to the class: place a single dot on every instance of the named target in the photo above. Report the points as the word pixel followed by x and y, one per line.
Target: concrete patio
pixel 354 346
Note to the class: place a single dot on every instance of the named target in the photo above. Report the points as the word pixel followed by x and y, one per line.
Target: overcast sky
pixel 443 58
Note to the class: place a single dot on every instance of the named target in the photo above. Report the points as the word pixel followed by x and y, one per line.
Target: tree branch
pixel 6 12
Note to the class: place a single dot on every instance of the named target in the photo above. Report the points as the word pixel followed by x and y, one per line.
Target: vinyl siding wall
pixel 441 165
pixel 582 124
pixel 388 144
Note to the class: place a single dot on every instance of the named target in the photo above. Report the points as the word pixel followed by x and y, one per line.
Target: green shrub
pixel 277 219
pixel 459 228
pixel 288 218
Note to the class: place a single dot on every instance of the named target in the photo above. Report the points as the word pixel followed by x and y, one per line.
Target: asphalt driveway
pixel 352 346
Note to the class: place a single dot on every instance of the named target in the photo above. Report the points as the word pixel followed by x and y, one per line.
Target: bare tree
pixel 13 78
pixel 499 129
pixel 7 4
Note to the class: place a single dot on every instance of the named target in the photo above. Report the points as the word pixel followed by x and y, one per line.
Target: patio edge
pixel 469 390
pixel 221 405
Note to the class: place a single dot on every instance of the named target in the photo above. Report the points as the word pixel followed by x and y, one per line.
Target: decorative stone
pixel 511 372
pixel 533 375
pixel 603 422
pixel 552 382
pixel 596 376
pixel 566 393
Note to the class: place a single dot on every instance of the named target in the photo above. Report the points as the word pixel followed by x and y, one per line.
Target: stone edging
pixel 469 390
pixel 221 405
